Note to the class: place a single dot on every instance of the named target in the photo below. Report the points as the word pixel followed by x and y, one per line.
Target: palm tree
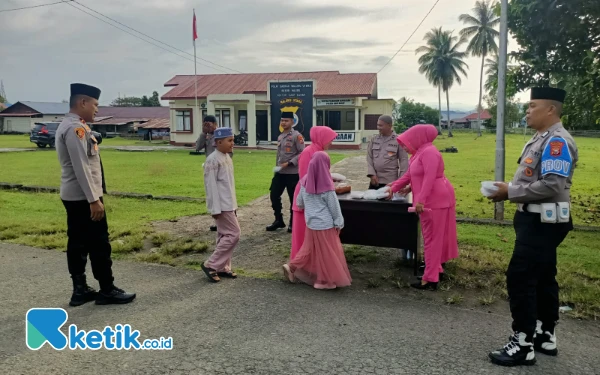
pixel 442 63
pixel 481 29
pixel 491 83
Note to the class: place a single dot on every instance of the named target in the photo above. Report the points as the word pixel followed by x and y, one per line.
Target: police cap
pixel 83 89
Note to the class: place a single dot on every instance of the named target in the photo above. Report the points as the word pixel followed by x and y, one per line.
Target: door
pixel 334 120
pixel 262 125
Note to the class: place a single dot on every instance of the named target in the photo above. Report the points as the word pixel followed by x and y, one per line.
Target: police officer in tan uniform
pixel 541 189
pixel 386 160
pixel 81 192
pixel 289 147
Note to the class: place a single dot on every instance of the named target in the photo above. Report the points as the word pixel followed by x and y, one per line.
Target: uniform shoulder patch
pixel 80 132
pixel 556 158
pixel 300 138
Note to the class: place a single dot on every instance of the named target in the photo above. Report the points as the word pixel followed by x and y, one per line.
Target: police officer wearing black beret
pixel 82 189
pixel 541 189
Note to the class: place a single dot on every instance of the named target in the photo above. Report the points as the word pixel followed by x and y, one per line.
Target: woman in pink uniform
pixel 433 199
pixel 321 138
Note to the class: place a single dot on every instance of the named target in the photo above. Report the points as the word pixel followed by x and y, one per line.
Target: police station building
pixel 347 103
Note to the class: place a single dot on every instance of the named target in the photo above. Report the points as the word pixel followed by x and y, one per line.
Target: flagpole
pixel 195 68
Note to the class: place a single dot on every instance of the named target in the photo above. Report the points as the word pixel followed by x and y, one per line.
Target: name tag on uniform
pixel 556 158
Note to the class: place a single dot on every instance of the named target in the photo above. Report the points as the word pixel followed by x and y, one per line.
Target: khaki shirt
pixel 289 147
pixel 546 167
pixel 79 158
pixel 206 141
pixel 386 159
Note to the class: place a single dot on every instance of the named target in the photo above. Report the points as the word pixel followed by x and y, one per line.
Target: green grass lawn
pixel 156 172
pixel 22 141
pixel 475 160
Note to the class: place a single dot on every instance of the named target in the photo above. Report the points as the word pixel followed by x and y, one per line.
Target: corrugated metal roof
pixel 329 84
pixel 48 108
pixel 156 123
pixel 117 120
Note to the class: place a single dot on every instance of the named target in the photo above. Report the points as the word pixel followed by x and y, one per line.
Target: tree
pixel 513 113
pixel 491 83
pixel 154 100
pixel 560 46
pixel 2 100
pixel 482 31
pixel 442 63
pixel 410 113
pixel 134 101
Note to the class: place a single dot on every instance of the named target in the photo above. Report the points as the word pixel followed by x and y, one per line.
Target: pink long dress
pixel 431 188
pixel 320 136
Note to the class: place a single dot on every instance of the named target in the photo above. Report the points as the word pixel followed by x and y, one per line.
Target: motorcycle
pixel 242 138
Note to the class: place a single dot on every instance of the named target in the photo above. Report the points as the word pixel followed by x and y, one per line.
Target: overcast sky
pixel 44 49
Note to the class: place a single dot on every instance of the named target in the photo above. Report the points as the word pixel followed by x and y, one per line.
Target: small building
pixel 125 121
pixel 155 129
pixel 466 120
pixel 348 103
pixel 21 116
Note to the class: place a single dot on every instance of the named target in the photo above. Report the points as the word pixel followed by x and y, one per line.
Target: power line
pixel 140 38
pixel 34 6
pixel 156 40
pixel 411 35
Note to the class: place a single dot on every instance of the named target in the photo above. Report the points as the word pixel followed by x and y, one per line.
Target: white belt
pixel 534 208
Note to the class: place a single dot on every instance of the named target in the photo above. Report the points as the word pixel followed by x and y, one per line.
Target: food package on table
pixel 343 189
pixel 399 197
pixel 338 177
pixel 377 194
pixel 357 194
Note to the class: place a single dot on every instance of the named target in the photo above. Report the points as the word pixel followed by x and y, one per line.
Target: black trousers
pixel 88 237
pixel 531 274
pixel 376 187
pixel 280 183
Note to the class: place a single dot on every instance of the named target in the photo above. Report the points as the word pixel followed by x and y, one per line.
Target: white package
pixel 338 177
pixel 357 194
pixel 488 188
pixel 276 169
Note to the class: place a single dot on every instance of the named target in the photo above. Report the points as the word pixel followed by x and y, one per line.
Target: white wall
pixel 18 124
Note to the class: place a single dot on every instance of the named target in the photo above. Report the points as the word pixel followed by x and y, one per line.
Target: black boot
pixel 518 352
pixel 114 296
pixel 428 286
pixel 277 224
pixel 82 293
pixel 545 340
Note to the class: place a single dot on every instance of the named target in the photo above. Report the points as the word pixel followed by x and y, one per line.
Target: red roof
pixel 329 84
pixel 485 115
pixel 133 112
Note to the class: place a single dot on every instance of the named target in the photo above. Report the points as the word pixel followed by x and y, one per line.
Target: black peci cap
pixel 548 93
pixel 210 118
pixel 82 89
pixel 287 115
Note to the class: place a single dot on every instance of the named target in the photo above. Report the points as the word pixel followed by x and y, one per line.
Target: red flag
pixel 195 32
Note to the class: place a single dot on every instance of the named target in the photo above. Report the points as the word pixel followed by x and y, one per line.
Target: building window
pixel 223 117
pixel 183 120
pixel 371 122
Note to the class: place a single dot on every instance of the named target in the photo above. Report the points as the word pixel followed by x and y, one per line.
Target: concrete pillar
pixel 252 122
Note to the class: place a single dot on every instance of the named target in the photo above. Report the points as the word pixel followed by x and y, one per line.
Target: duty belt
pixel 530 207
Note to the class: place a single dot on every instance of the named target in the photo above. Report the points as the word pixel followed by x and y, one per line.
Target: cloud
pixel 44 49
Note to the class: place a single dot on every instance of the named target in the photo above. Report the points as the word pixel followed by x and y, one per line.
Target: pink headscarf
pixel 319 136
pixel 318 179
pixel 418 137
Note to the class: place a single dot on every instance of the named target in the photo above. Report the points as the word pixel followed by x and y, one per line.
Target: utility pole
pixel 502 65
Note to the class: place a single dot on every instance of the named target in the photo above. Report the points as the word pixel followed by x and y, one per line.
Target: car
pixel 43 134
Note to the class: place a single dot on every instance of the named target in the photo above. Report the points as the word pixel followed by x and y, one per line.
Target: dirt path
pixel 261 253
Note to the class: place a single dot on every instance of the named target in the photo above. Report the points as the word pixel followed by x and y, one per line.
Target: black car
pixel 43 134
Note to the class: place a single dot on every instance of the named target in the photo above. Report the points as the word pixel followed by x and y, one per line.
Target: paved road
pixel 249 326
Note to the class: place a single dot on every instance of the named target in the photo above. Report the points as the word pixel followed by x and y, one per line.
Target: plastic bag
pixel 338 177
pixel 276 169
pixel 488 188
pixel 357 194
pixel 399 197
pixel 377 194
